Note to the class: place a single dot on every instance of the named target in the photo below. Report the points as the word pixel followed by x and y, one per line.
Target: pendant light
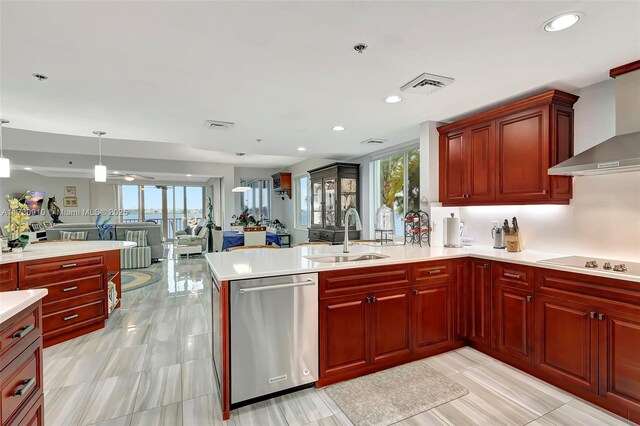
pixel 100 171
pixel 5 165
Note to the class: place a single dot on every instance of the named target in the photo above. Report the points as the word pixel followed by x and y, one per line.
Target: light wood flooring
pixel 151 365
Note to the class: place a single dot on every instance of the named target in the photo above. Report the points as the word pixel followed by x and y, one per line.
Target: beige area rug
pixel 395 394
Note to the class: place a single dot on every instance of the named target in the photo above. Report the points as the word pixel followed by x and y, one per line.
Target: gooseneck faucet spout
pixel 348 213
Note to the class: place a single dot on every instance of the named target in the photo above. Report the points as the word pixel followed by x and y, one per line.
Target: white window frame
pixel 296 196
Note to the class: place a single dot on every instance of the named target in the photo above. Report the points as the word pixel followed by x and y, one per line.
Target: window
pixel 258 200
pixel 396 181
pixel 301 196
pixel 180 205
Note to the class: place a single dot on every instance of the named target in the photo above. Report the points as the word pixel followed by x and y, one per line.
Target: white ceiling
pixel 286 72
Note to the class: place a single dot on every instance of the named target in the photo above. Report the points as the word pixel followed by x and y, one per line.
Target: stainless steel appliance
pixel 497 233
pixel 274 335
pixel 580 262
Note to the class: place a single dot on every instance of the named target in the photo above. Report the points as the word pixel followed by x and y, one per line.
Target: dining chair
pixel 309 243
pixel 252 247
pixel 255 236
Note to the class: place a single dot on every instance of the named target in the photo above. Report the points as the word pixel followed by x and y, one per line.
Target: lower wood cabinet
pixel 479 295
pixel 512 322
pixel 432 315
pixel 567 341
pixel 344 335
pixel 390 324
pixel 619 357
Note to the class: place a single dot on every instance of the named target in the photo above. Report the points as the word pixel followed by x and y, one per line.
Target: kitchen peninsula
pixel 76 275
pixel 412 302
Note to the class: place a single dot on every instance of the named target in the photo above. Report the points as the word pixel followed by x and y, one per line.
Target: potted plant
pixel 18 223
pixel 244 219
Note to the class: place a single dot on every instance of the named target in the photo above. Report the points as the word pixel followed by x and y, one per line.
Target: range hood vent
pixel 213 124
pixel 426 83
pixel 615 155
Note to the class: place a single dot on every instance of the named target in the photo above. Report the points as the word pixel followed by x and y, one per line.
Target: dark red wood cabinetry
pixel 479 295
pixel 375 318
pixel 501 156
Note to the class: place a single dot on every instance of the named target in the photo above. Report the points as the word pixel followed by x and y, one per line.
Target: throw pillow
pixel 138 237
pixel 197 230
pixel 189 230
pixel 68 235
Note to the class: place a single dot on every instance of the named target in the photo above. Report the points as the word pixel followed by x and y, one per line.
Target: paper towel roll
pixel 452 232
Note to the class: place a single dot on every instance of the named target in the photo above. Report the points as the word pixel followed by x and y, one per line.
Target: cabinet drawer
pixel 21 382
pixel 16 335
pixel 76 315
pixel 8 277
pixel 431 272
pixel 350 281
pixel 314 234
pixel 34 415
pixel 86 280
pixel 45 269
pixel 513 275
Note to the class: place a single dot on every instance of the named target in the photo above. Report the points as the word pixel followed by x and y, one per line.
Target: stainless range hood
pixel 620 153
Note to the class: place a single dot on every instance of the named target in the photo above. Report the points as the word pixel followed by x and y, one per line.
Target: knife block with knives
pixel 512 236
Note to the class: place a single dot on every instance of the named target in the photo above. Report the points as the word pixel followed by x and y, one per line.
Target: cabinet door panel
pixel 461 298
pixel 562 149
pixel 513 322
pixel 481 159
pixel 390 314
pixel 567 341
pixel 453 167
pixel 480 301
pixel 343 334
pixel 620 358
pixel 523 156
pixel 432 313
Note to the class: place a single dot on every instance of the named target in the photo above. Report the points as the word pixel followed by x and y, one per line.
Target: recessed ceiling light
pixel 302 148
pixel 188 175
pixel 115 172
pixel 562 22
pixel 337 128
pixel 393 99
pixel 28 168
pixel 129 178
pixel 40 77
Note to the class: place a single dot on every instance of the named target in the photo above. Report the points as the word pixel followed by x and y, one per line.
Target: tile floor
pixel 151 365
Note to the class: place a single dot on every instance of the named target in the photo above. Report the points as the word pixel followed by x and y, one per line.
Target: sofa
pixel 202 234
pixel 154 233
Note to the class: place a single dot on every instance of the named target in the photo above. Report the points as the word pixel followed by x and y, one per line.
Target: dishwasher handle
pixel 309 281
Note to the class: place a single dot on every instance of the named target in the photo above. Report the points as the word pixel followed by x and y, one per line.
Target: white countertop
pixel 45 250
pixel 12 302
pixel 242 264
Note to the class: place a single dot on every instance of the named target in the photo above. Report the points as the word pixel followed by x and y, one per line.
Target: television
pixel 34 201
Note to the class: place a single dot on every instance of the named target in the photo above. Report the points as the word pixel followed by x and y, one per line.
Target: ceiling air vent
pixel 426 83
pixel 374 141
pixel 213 124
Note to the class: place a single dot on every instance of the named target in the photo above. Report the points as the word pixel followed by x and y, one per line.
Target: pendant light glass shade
pixel 100 171
pixel 5 165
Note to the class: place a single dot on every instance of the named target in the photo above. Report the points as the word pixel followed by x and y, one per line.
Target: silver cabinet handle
pixel 434 271
pixel 529 298
pixel 69 265
pixel 309 281
pixel 70 317
pixel 24 387
pixel 75 287
pixel 592 315
pixel 510 275
pixel 23 331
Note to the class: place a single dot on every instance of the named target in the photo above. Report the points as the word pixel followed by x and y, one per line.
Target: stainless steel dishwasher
pixel 274 335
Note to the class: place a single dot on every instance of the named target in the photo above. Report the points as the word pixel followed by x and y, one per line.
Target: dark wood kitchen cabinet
pixel 512 323
pixel 479 307
pixel 433 315
pixel 390 324
pixel 567 341
pixel 501 156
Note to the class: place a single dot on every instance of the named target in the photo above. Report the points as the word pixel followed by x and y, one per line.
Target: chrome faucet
pixel 346 226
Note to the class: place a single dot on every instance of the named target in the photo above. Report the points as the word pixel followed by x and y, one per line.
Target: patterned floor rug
pixel 395 394
pixel 133 279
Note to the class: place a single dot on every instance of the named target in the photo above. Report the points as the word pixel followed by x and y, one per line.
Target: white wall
pixel 603 218
pixel 21 181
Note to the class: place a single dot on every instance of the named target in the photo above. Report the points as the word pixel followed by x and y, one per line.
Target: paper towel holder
pixel 452 237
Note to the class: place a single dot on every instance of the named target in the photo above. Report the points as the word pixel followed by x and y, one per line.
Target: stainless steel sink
pixel 338 258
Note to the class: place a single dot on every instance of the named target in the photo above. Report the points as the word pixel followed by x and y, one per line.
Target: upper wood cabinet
pixel 501 156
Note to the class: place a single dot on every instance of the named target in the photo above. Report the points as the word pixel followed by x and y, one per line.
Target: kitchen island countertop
pixel 49 249
pixel 12 302
pixel 243 264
